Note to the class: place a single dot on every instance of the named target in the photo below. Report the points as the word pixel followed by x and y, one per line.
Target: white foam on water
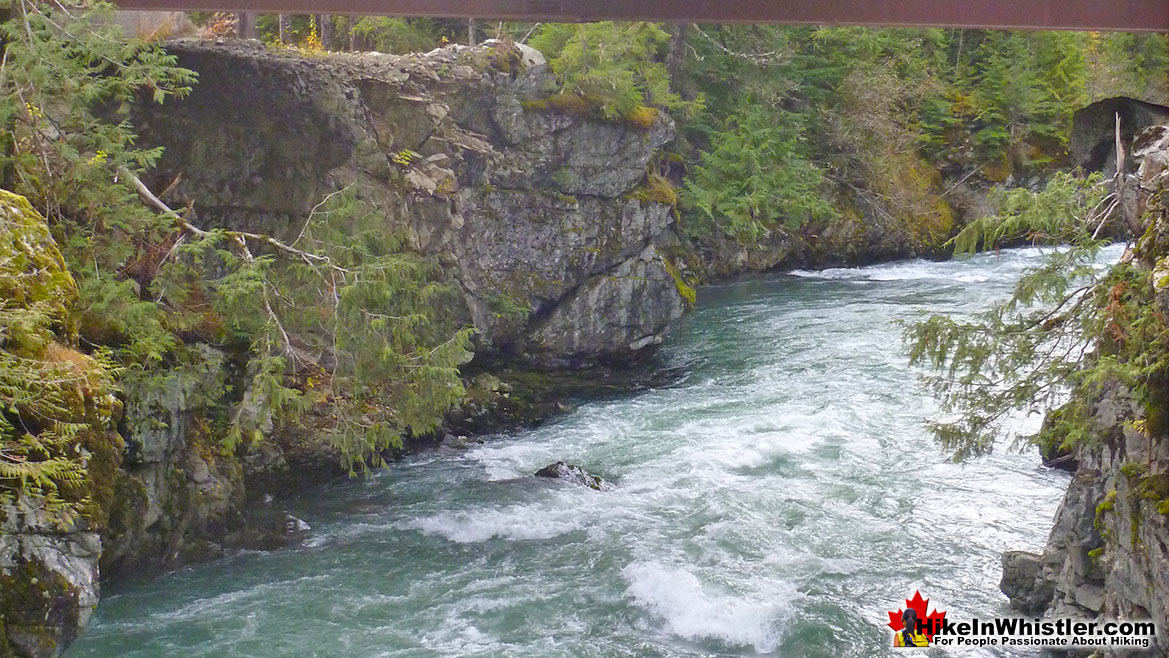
pixel 516 522
pixel 695 611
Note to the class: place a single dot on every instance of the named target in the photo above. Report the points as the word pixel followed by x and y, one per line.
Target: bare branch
pixel 242 237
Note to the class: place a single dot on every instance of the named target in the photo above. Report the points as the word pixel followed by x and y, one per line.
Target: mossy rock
pixel 38 607
pixel 32 270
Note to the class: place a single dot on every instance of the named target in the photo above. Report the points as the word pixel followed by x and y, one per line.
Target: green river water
pixel 778 500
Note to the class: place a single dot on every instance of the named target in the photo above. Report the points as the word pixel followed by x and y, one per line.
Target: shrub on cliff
pixel 617 67
pixel 1071 328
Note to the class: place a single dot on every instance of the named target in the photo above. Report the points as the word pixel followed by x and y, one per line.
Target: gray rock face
pixel 1093 143
pixel 616 314
pixel 175 501
pixel 529 210
pixel 48 581
pixel 1108 553
pixel 1022 584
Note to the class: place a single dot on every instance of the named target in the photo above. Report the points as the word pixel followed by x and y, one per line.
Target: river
pixel 778 500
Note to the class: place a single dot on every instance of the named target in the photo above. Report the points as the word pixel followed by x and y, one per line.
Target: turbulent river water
pixel 778 500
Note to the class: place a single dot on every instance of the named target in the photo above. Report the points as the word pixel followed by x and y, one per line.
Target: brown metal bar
pixel 1120 15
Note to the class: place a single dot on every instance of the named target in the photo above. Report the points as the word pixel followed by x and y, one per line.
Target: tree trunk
pixel 325 30
pixel 353 45
pixel 677 52
pixel 245 26
pixel 472 36
pixel 285 28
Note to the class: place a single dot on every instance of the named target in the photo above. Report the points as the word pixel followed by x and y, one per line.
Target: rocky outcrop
pixel 533 214
pixel 532 211
pixel 49 549
pixel 1093 143
pixel 1108 553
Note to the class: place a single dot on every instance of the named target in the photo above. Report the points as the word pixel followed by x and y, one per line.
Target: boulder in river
pixel 575 475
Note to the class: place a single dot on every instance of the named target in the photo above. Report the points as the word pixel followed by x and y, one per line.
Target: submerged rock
pixel 574 475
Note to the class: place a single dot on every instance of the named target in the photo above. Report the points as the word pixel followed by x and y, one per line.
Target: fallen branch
pixel 760 59
pixel 149 197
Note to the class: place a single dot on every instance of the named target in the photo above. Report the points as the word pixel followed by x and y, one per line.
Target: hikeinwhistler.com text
pixel 1054 633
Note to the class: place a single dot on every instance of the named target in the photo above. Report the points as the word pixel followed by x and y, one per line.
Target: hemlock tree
pixel 1071 328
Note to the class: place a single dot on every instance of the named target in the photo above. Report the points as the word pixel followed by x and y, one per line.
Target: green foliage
pixel 65 95
pixel 1070 331
pixel 398 35
pixel 48 391
pixel 1025 87
pixel 757 178
pixel 42 412
pixel 618 67
pixel 65 91
pixel 1066 211
pixel 347 323
pixel 1123 64
pixel 366 333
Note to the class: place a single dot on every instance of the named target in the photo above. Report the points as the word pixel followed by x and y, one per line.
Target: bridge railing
pixel 1119 15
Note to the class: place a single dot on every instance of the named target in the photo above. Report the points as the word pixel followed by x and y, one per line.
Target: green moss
pixel 1133 470
pixel 567 103
pixel 563 177
pixel 642 117
pixel 37 602
pixel 505 58
pixel 32 270
pixel 5 648
pixel 1105 506
pixel 656 189
pixel 684 289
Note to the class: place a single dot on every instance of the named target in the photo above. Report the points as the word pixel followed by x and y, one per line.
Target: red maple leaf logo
pixel 931 623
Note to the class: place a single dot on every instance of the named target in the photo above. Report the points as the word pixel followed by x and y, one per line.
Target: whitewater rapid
pixel 779 499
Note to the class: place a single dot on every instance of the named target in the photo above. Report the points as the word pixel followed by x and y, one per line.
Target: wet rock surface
pixel 574 475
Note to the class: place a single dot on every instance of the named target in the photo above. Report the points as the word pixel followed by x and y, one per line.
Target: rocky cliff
pixel 1108 553
pixel 538 217
pixel 529 208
